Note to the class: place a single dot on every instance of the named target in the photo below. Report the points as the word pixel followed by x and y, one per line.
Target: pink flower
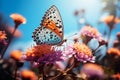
pixel 83 53
pixel 68 51
pixel 17 33
pixel 80 51
pixel 87 33
pixel 93 71
pixel 60 65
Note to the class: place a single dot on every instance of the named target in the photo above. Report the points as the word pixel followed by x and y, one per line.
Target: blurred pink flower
pixel 17 32
pixel 68 51
pixel 93 70
pixel 60 65
pixel 35 64
pixel 87 33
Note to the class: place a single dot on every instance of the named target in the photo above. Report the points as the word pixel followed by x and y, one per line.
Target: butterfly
pixel 50 30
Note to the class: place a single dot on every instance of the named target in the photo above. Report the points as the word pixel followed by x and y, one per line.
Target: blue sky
pixel 34 10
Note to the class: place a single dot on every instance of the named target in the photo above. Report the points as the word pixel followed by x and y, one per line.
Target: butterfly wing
pixel 44 35
pixel 51 30
pixel 53 21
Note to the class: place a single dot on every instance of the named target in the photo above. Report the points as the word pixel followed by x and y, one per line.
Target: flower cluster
pixel 43 54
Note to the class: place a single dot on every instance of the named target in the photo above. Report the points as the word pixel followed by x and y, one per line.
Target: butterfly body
pixel 51 28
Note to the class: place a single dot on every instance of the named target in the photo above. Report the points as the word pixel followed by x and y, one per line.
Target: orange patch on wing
pixel 51 25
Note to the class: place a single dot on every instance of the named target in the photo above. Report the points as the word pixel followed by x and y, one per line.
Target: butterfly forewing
pixel 51 28
pixel 53 15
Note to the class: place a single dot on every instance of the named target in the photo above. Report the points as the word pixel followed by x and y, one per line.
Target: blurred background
pixel 74 13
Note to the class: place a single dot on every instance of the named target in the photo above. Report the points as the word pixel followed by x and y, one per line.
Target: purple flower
pixel 51 58
pixel 43 54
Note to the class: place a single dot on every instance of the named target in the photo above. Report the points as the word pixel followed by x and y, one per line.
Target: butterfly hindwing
pixel 44 35
pixel 51 30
